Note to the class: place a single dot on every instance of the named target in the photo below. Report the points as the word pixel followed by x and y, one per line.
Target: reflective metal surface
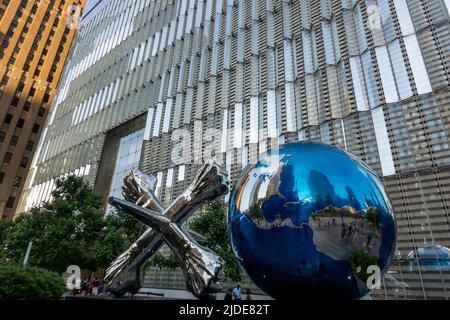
pixel 308 220
pixel 431 258
pixel 201 266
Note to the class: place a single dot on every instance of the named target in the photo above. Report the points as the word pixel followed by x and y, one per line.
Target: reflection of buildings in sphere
pixel 431 258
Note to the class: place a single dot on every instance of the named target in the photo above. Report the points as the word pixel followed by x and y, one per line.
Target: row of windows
pixel 17 180
pixel 20 123
pixel 15 139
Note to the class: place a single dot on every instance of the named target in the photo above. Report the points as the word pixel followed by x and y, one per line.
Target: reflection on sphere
pixel 307 220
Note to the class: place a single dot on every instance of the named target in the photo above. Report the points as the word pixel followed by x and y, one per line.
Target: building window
pixel 5 80
pixel 27 106
pixel 14 140
pixel 24 162
pixel 2 177
pixel 10 202
pixel 15 102
pixel 20 123
pixel 128 156
pixel 8 118
pixel 30 145
pixel 17 181
pixel 36 128
pixel 41 112
pixel 2 136
pixel 8 157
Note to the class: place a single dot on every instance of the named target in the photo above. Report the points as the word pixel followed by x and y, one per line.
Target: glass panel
pixel 360 29
pixel 158 116
pixel 271 114
pixel 328 43
pixel 400 73
pixel 325 133
pixel 149 122
pixel 369 76
pixel 254 114
pixel 128 156
pixel 417 64
pixel 290 107
pixel 387 78
pixel 404 18
pixel 181 172
pixel 238 129
pixel 311 101
pixel 307 54
pixel 288 61
pixel 358 84
pixel 384 147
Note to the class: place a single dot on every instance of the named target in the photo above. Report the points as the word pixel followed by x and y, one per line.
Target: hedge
pixel 18 283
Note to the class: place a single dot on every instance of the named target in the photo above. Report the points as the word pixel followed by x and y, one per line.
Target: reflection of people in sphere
pixel 343 233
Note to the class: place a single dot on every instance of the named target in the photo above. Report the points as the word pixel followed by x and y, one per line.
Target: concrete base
pixel 183 294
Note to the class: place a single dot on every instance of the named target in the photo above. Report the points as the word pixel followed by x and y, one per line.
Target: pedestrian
pixel 237 293
pixel 350 229
pixel 229 294
pixel 77 286
pixel 343 233
pixel 248 295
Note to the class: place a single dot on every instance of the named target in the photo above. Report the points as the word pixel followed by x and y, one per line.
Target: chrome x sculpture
pixel 201 266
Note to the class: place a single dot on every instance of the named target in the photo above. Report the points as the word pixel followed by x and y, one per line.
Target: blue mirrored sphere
pixel 310 220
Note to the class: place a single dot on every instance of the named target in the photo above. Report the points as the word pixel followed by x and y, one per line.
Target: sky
pixel 90 5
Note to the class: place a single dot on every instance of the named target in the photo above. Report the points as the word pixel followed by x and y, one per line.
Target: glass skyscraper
pixel 230 79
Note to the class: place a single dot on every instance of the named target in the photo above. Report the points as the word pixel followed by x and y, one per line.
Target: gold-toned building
pixel 35 39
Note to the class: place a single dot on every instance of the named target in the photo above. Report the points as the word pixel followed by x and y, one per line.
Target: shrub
pixel 30 284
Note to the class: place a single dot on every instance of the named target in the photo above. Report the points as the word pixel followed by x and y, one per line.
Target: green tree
pixel 30 284
pixel 161 261
pixel 5 226
pixel 63 231
pixel 119 232
pixel 212 224
pixel 360 261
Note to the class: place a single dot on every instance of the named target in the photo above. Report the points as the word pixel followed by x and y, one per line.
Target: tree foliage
pixel 119 232
pixel 161 261
pixel 30 284
pixel 360 261
pixel 212 224
pixel 63 231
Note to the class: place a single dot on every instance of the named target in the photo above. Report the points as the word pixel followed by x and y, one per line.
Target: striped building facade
pixel 162 85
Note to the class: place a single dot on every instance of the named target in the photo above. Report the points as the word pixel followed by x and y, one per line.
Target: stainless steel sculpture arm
pixel 210 182
pixel 200 265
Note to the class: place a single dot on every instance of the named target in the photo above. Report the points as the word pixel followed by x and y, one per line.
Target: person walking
pixel 237 293
pixel 248 295
pixel 229 295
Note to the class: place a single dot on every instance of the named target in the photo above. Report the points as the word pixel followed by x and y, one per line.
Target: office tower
pixel 157 85
pixel 35 38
